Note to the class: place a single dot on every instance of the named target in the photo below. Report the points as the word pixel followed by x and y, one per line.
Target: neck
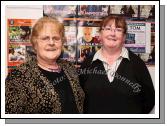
pixel 58 69
pixel 111 55
pixel 48 65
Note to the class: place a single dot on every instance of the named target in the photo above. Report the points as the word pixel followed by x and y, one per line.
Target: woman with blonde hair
pixel 44 83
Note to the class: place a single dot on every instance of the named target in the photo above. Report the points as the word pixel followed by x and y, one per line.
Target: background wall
pixel 35 12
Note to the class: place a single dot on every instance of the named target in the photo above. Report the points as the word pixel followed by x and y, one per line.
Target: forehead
pixel 87 29
pixel 49 28
pixel 110 23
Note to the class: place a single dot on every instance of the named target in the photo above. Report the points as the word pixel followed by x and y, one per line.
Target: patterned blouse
pixel 28 91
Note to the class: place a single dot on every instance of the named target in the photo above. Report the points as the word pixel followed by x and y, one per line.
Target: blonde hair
pixel 40 24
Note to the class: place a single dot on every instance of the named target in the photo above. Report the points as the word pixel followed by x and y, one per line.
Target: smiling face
pixel 113 32
pixel 112 36
pixel 49 43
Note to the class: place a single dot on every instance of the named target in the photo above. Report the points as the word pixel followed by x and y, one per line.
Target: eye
pixel 118 29
pixel 56 38
pixel 45 38
pixel 107 28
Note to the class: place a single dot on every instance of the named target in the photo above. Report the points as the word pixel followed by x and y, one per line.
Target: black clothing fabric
pixel 131 91
pixel 28 90
pixel 63 88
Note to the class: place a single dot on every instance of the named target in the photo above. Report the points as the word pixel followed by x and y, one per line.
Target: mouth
pixel 51 49
pixel 111 39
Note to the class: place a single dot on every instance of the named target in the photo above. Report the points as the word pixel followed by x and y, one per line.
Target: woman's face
pixel 49 43
pixel 112 37
pixel 87 34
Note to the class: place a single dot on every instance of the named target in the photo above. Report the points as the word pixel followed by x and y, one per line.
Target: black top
pixel 62 87
pixel 131 91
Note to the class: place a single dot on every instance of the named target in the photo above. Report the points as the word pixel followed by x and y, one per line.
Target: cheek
pixel 102 35
pixel 122 38
pixel 59 46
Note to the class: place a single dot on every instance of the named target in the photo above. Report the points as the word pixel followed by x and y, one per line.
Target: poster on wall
pixel 82 29
pixel 95 11
pixel 138 37
pixel 19 30
pixel 70 34
pixel 16 53
pixel 86 28
pixel 18 36
pixel 62 11
pixel 88 32
pixel 129 11
pixel 88 35
pixel 69 53
pixel 85 51
pixel 147 12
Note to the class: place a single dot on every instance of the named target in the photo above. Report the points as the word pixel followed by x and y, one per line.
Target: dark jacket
pixel 131 91
pixel 28 91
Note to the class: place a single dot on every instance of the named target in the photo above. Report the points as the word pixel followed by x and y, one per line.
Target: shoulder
pixel 135 59
pixel 63 63
pixel 137 63
pixel 20 68
pixel 18 72
pixel 67 65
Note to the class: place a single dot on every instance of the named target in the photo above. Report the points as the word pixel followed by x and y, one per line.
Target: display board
pixel 82 31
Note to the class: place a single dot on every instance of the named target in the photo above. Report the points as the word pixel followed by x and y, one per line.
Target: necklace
pixel 58 69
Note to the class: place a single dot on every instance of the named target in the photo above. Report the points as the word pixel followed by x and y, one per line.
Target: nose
pixel 51 42
pixel 112 32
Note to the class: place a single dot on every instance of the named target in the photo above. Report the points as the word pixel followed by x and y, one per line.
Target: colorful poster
pixel 70 34
pixel 138 37
pixel 88 35
pixel 18 33
pixel 16 54
pixel 69 53
pixel 95 11
pixel 19 30
pixel 85 51
pixel 82 24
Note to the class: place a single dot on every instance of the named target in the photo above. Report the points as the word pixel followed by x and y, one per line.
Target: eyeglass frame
pixel 116 30
pixel 48 38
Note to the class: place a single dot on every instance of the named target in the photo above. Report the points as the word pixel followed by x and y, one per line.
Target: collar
pixel 124 54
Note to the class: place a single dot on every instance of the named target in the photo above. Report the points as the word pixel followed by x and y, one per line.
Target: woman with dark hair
pixel 118 81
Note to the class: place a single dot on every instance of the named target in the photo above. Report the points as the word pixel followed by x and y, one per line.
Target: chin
pixel 52 58
pixel 111 46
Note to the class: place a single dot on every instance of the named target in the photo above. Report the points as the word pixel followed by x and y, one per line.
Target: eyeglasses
pixel 116 30
pixel 47 39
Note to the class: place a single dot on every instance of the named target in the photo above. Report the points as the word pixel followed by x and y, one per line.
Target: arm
pixel 147 91
pixel 82 71
pixel 15 95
